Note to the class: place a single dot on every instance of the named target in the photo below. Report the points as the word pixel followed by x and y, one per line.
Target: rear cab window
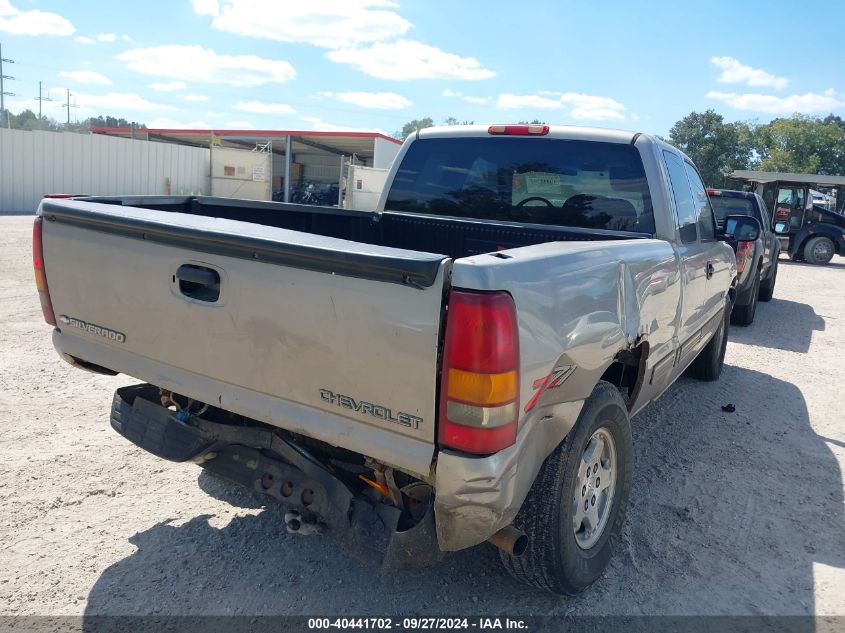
pixel 573 183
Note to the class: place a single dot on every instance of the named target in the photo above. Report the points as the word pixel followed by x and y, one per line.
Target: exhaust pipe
pixel 510 540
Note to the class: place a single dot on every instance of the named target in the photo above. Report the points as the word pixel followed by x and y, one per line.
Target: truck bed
pixel 453 237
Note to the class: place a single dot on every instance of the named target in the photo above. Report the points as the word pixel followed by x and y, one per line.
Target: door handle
pixel 198 282
pixel 709 269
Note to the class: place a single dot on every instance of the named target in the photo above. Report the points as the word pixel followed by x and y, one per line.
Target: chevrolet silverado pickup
pixel 458 366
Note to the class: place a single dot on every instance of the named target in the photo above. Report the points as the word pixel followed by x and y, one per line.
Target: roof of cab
pixel 571 132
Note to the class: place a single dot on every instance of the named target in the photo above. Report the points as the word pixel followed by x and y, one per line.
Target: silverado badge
pixel 98 330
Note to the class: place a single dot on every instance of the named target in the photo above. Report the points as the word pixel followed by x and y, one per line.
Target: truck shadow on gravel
pixel 781 324
pixel 729 512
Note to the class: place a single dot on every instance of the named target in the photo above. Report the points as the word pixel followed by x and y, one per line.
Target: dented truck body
pixel 329 328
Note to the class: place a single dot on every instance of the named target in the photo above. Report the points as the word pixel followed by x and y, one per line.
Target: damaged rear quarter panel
pixel 578 304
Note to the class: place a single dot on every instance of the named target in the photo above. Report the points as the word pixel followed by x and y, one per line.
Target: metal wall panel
pixel 35 163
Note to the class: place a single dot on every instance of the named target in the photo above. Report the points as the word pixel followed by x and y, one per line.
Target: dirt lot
pixel 731 513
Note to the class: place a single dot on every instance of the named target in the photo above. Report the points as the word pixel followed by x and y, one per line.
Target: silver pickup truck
pixel 459 366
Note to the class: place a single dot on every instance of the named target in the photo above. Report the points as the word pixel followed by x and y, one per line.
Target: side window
pixel 684 202
pixel 706 223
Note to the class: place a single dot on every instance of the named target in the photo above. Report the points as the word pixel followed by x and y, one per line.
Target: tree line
pixel 28 120
pixel 800 143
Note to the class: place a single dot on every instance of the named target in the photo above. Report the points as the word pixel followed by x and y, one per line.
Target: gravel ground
pixel 731 513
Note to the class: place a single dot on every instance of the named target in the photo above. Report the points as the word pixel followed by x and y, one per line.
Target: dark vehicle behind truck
pixel 808 232
pixel 756 261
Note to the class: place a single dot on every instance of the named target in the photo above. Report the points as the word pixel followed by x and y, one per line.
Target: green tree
pixel 28 120
pixel 802 144
pixel 716 147
pixel 412 126
pixel 453 121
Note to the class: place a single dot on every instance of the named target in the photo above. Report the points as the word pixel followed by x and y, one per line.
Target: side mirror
pixel 742 228
pixel 781 227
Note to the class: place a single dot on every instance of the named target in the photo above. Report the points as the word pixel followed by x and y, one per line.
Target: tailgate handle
pixel 199 283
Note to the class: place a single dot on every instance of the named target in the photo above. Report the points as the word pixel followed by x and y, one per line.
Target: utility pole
pixel 39 99
pixel 68 105
pixel 3 93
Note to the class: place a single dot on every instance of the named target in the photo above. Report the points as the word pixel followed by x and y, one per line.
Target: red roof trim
pixel 306 133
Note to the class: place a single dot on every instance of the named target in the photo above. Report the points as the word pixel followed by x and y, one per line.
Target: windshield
pixel 536 180
pixel 727 205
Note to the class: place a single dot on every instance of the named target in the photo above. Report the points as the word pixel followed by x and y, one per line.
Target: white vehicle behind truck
pixel 460 365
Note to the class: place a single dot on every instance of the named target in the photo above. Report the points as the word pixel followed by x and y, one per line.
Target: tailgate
pixel 297 322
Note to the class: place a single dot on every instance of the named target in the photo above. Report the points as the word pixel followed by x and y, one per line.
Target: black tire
pixel 767 288
pixel 819 251
pixel 554 560
pixel 744 314
pixel 709 362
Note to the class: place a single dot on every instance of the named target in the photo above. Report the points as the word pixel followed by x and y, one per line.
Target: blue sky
pixel 375 64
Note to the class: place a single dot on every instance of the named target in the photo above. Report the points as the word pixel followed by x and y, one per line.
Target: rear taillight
pixel 519 130
pixel 744 250
pixel 479 392
pixel 40 273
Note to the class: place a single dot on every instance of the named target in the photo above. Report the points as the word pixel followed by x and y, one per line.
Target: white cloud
pixel 239 125
pixel 32 22
pixel 467 98
pixel 169 86
pixel 206 7
pixel 513 102
pixel 581 106
pixel 407 59
pixel 319 124
pixel 324 23
pixel 84 39
pixel 735 72
pixel 173 124
pixel 195 97
pixel 117 102
pixel 808 103
pixel 377 100
pixel 205 65
pixel 592 108
pixel 125 38
pixel 85 77
pixel 107 37
pixel 260 107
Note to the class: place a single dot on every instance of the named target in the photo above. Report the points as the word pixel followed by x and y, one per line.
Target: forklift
pixel 807 230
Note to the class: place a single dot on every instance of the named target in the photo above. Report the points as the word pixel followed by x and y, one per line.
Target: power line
pixel 3 93
pixel 68 105
pixel 39 99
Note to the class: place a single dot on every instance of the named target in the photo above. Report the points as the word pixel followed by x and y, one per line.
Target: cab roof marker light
pixel 532 129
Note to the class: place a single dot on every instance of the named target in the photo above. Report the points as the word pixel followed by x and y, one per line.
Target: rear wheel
pixel 574 512
pixel 818 250
pixel 744 314
pixel 709 362
pixel 767 288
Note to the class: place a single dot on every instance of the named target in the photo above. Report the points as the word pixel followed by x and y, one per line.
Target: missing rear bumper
pixel 260 459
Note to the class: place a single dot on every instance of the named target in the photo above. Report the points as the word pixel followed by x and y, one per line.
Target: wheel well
pixel 627 371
